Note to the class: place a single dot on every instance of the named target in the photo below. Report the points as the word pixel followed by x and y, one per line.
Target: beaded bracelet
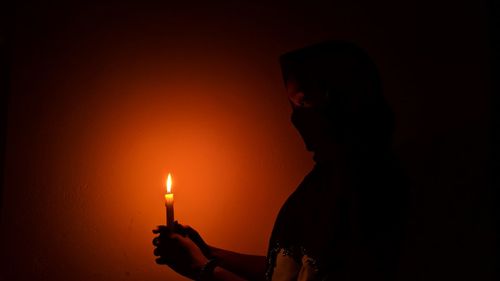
pixel 207 269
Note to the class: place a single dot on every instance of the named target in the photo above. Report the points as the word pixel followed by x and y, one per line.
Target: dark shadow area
pixel 6 30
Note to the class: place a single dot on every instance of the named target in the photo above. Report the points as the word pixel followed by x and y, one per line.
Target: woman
pixel 344 221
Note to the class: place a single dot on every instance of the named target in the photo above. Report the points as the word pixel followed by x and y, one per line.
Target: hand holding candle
pixel 169 202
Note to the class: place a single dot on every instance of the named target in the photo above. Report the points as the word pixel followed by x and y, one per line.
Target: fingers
pixel 184 230
pixel 165 244
pixel 176 227
pixel 164 250
pixel 157 252
pixel 156 241
pixel 168 249
pixel 161 228
pixel 165 238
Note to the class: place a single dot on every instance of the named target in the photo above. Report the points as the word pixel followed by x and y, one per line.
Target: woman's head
pixel 335 92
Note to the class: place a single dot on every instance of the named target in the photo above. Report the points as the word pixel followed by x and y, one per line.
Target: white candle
pixel 169 202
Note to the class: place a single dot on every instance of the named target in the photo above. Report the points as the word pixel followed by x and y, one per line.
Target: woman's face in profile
pixel 308 115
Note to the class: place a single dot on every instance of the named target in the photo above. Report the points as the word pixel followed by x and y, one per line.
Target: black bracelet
pixel 207 269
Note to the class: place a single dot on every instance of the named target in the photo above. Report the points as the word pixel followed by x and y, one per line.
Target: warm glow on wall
pixel 110 122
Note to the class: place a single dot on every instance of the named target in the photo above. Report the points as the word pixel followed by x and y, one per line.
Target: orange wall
pixel 97 122
pixel 89 170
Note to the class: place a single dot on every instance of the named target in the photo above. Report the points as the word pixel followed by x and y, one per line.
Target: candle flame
pixel 169 183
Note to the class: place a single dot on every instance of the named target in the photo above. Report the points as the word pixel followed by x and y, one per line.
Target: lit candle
pixel 169 202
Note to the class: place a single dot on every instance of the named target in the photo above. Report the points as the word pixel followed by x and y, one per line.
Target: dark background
pixel 101 99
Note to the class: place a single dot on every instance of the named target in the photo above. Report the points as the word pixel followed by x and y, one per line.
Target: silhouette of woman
pixel 345 220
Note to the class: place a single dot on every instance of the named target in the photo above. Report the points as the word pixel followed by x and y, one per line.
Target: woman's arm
pixel 184 256
pixel 249 267
pixel 221 274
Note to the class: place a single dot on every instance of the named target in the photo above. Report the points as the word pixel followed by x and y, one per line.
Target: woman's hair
pixel 351 81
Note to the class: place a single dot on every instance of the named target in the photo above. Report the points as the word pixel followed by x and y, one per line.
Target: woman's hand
pixel 196 237
pixel 177 250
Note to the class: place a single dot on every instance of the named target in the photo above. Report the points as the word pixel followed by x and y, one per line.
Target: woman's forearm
pixel 248 267
pixel 222 274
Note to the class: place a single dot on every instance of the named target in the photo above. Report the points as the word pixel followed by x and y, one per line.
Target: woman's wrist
pixel 218 254
pixel 206 270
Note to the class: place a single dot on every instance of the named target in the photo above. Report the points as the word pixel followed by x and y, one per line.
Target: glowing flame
pixel 169 183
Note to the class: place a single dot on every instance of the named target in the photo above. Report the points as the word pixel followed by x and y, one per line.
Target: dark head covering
pixel 354 109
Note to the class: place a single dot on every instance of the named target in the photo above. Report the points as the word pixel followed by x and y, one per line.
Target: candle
pixel 169 202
